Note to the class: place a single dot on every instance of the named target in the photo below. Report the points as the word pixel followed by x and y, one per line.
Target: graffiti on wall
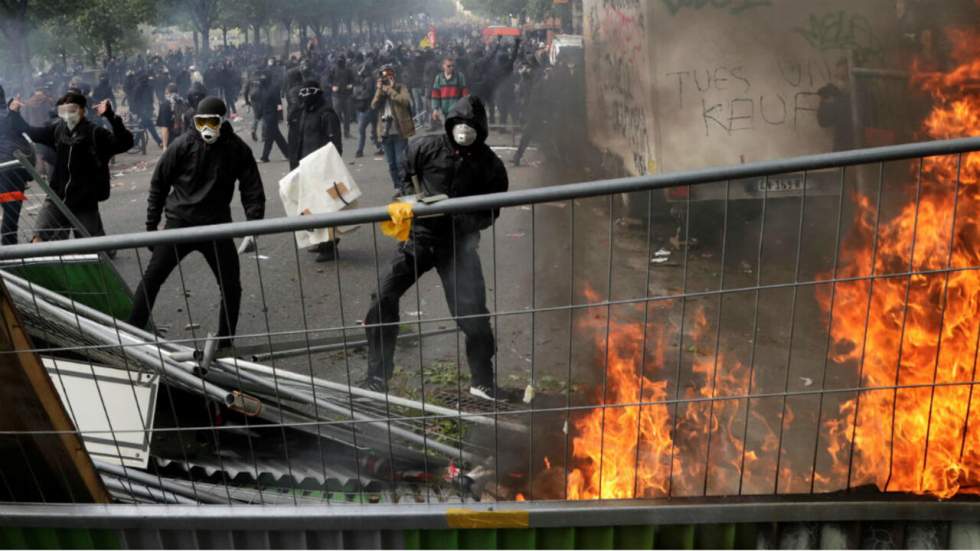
pixel 618 29
pixel 734 7
pixel 726 100
pixel 843 31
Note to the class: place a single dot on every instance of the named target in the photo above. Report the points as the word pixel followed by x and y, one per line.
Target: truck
pixel 674 85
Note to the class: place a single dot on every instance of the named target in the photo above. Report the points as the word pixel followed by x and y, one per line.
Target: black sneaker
pixel 358 155
pixel 328 252
pixel 374 384
pixel 490 393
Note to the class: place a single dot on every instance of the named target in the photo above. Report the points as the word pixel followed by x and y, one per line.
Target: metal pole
pixel 378 396
pixel 95 331
pixel 497 200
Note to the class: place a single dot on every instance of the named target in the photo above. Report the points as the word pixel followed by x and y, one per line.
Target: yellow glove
pixel 400 226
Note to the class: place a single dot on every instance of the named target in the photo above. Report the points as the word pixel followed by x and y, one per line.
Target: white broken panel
pixel 117 432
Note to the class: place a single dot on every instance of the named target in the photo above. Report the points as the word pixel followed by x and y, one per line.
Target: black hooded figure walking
pixel 193 184
pixel 269 111
pixel 316 126
pixel 457 163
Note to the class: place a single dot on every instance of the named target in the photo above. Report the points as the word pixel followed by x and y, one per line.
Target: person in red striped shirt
pixel 448 87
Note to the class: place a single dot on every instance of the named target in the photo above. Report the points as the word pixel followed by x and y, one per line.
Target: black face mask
pixel 311 99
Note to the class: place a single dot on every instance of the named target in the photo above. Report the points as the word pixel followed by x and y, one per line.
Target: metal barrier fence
pixel 823 338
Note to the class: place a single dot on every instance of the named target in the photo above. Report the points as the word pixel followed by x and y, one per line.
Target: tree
pixel 522 9
pixel 17 19
pixel 102 25
pixel 203 15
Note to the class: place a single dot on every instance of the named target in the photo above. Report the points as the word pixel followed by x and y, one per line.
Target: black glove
pixel 109 113
pixel 150 228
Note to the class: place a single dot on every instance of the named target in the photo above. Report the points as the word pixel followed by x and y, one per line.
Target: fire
pixel 520 497
pixel 624 450
pixel 916 330
pixel 607 439
pixel 547 463
pixel 920 332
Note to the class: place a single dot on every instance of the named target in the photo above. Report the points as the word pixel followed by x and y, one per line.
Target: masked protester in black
pixel 80 176
pixel 457 163
pixel 12 182
pixel 193 184
pixel 269 111
pixel 317 125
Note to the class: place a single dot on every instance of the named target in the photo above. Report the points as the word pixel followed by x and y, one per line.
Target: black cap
pixel 311 83
pixel 212 106
pixel 73 97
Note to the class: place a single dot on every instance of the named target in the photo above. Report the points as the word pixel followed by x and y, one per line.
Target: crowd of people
pixel 386 93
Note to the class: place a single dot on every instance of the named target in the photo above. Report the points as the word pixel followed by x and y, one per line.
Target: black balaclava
pixel 312 99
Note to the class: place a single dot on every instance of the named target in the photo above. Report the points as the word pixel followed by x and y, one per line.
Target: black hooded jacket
pixel 196 181
pixel 442 166
pixel 317 126
pixel 81 173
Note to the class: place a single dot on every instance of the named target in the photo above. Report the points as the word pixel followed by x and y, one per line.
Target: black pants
pixel 344 107
pixel 462 280
pixel 528 133
pixel 270 134
pixel 222 258
pixel 12 183
pixel 52 225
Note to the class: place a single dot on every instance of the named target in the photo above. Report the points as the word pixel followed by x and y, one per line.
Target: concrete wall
pixel 681 84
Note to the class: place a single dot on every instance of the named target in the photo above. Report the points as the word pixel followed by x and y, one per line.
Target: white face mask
pixel 464 134
pixel 71 118
pixel 210 135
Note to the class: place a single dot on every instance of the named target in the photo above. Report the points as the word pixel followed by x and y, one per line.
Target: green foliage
pixel 501 9
pixel 106 26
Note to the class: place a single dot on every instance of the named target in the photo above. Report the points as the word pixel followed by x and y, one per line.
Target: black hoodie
pixel 443 166
pixel 196 181
pixel 81 173
pixel 317 125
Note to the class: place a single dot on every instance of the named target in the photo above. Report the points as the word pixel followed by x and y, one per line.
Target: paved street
pixel 279 281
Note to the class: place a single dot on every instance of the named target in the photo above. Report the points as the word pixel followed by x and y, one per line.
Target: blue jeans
pixel 395 147
pixel 365 119
pixel 418 101
pixel 147 124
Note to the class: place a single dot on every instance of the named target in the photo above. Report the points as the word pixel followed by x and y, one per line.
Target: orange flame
pixel 624 450
pixel 896 330
pixel 920 329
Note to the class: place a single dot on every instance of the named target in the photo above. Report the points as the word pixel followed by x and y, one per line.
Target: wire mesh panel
pixel 642 344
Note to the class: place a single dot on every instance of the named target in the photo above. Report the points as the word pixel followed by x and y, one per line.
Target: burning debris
pixel 907 333
pixel 904 319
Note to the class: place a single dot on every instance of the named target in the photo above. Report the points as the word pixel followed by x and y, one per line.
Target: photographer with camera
pixel 393 101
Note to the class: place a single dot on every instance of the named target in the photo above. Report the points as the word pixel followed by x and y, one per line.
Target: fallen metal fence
pixel 716 349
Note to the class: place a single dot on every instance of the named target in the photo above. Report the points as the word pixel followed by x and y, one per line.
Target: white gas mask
pixel 464 134
pixel 209 126
pixel 71 115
